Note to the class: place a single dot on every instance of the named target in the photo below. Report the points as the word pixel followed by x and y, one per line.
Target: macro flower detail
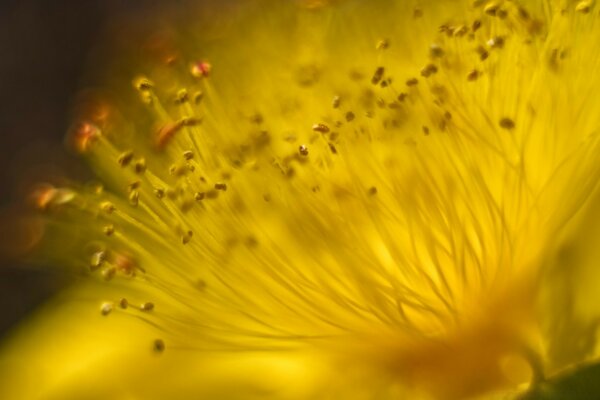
pixel 314 200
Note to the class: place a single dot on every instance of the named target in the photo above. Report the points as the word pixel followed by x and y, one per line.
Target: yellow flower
pixel 361 200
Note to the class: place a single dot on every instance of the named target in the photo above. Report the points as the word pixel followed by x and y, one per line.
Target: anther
pixel 85 135
pixel 185 238
pixel 199 196
pixel 182 96
pixel 123 303
pixel 148 306
pixel 382 44
pixel 221 186
pixel 201 284
pixel 109 230
pixel 425 130
pixel 336 101
pixel 200 69
pixel 332 148
pixel 125 158
pixel 496 42
pixel 190 121
pixel 459 31
pixel 133 186
pixel 159 192
pixel 483 53
pixel 158 346
pixel 476 25
pixel 97 260
pixel 303 150
pixel 166 133
pixel 106 308
pixel 507 123
pixel 140 166
pixel 143 84
pixel 491 8
pixel 377 75
pixel 134 198
pixel 412 82
pixel 584 6
pixel 107 207
pixel 429 70
pixel 473 75
pixel 188 155
pixel 198 96
pixel 523 13
pixel 372 191
pixel 321 128
pixel 436 51
pixel 350 116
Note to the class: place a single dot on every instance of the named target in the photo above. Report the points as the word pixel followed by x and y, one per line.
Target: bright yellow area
pixel 352 200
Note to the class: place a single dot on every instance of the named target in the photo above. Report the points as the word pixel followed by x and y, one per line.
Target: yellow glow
pixel 314 199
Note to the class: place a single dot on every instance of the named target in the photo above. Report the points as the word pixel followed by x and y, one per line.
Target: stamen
pixel 321 128
pixel 491 8
pixel 108 229
pixel 159 192
pixel 123 303
pixel 182 96
pixel 159 345
pixel 429 70
pixel 201 69
pixel 107 207
pixel 97 259
pixel 473 75
pixel 106 308
pixel 382 44
pixel 134 198
pixel 378 75
pixel 221 186
pixel 336 102
pixel 584 6
pixel 507 123
pixel 148 306
pixel 140 166
pixel 143 84
pixel 125 158
pixel 436 51
pixel 199 196
pixel 303 150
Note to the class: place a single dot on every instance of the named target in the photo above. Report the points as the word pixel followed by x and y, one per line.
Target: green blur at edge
pixel 582 383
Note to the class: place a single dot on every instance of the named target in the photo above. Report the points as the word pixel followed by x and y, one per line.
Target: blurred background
pixel 47 54
pixel 44 50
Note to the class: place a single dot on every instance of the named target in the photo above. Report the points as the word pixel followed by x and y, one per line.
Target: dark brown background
pixel 44 49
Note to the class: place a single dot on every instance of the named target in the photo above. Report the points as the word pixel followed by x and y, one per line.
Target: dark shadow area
pixel 44 49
